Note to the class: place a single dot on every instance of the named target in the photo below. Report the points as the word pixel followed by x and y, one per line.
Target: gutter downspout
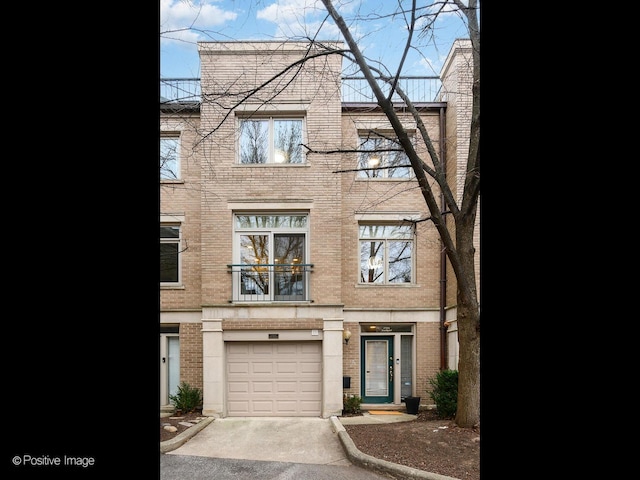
pixel 443 254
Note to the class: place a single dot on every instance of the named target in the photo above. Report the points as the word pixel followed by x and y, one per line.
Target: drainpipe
pixel 443 254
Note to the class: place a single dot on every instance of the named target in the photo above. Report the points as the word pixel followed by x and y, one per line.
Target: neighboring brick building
pixel 274 254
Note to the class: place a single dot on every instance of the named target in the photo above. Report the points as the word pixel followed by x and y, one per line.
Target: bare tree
pixel 459 246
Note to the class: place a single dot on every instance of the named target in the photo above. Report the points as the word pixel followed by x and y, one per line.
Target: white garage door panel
pixel 274 379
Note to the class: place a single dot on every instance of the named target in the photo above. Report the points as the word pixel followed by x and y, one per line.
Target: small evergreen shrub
pixel 351 403
pixel 187 398
pixel 445 393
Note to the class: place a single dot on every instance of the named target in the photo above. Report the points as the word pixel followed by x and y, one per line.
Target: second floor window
pixel 271 249
pixel 271 141
pixel 380 158
pixel 170 157
pixel 169 254
pixel 386 254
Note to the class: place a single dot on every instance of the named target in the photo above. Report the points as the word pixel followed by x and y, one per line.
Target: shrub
pixel 187 399
pixel 351 403
pixel 445 393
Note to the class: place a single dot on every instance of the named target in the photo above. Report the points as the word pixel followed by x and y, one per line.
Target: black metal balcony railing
pixel 270 282
pixel 418 89
pixel 354 90
pixel 180 90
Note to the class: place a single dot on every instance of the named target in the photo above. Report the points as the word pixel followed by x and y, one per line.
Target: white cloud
pixel 287 11
pixel 299 18
pixel 183 20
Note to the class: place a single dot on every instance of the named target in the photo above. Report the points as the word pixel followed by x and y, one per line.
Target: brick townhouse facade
pixel 293 270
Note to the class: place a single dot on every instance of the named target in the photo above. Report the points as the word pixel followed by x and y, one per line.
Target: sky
pixel 380 36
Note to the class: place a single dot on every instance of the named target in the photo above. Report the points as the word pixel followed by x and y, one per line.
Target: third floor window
pixel 271 140
pixel 382 157
pixel 170 157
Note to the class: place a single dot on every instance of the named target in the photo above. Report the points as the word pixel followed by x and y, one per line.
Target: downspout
pixel 443 253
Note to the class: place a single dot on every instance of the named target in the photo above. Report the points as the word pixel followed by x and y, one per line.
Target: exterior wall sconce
pixel 346 335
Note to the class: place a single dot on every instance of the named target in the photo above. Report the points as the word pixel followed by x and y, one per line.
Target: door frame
pixel 164 366
pixel 389 398
pixel 398 330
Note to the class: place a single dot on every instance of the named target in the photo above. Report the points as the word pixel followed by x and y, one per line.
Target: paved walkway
pixel 367 417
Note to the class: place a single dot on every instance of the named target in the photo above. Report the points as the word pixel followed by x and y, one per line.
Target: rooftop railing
pixel 418 89
pixel 354 90
pixel 178 90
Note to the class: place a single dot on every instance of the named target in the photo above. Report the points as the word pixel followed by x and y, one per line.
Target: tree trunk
pixel 468 316
pixel 468 407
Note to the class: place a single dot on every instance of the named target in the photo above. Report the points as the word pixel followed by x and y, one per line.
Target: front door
pixel 169 367
pixel 377 369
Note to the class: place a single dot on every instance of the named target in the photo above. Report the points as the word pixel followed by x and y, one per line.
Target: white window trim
pixel 173 134
pixel 390 220
pixel 180 225
pixel 238 232
pixel 363 133
pixel 271 116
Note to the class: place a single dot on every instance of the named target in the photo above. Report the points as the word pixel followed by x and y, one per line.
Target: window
pixel 170 254
pixel 271 140
pixel 381 158
pixel 271 257
pixel 386 254
pixel 170 157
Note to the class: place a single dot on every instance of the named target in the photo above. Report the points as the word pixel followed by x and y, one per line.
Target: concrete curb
pixel 181 439
pixel 399 472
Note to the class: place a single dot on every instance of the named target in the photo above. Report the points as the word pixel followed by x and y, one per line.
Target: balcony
pixel 270 282
pixel 355 90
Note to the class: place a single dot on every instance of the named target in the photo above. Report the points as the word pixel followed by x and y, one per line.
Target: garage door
pixel 274 379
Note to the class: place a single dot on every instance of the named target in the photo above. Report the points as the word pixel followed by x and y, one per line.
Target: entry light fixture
pixel 346 335
pixel 374 161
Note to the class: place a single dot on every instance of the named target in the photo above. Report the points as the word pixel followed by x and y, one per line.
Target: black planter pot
pixel 413 405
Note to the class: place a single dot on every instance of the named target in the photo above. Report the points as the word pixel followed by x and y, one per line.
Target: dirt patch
pixel 174 421
pixel 427 443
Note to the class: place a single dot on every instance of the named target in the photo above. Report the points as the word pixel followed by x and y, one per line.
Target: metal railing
pixel 418 89
pixel 270 282
pixel 180 90
pixel 354 90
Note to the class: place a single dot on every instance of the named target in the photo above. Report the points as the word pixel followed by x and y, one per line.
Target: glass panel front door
pixel 377 365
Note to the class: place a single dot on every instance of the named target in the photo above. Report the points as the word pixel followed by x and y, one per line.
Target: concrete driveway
pixel 274 439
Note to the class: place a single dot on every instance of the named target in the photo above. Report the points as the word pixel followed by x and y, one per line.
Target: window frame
pixel 271 232
pixel 386 240
pixel 178 242
pixel 363 159
pixel 175 136
pixel 271 154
